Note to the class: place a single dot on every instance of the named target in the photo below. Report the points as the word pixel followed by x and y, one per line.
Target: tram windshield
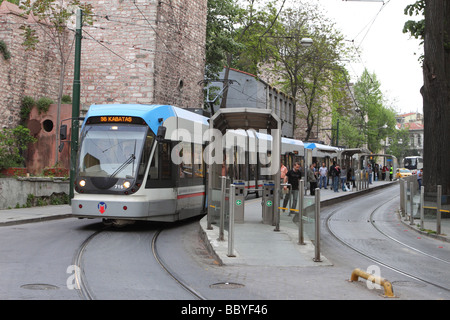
pixel 113 151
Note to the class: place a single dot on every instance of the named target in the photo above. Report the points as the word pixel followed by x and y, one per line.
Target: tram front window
pixel 113 151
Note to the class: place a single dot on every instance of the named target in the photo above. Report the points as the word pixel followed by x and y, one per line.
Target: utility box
pixel 267 202
pixel 239 201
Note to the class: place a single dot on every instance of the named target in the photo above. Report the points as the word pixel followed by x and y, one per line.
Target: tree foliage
pixel 371 122
pixel 13 142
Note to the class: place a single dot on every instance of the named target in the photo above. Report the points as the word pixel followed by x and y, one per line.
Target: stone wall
pixel 148 52
pixel 27 73
pixel 14 192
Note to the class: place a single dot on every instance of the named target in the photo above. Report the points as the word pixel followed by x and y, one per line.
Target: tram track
pixel 381 261
pixel 165 267
pixel 80 278
pixel 81 281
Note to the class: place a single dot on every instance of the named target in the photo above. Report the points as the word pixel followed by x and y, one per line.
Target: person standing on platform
pixel 312 180
pixel 335 173
pixel 323 171
pixel 292 177
pixel 419 177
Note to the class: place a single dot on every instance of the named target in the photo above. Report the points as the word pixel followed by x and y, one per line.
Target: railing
pixel 429 208
pixel 307 218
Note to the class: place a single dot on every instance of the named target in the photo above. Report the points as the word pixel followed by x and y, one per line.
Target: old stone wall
pixel 23 187
pixel 148 52
pixel 26 73
pixel 143 51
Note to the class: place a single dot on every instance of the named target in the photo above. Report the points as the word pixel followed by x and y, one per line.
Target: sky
pixel 376 28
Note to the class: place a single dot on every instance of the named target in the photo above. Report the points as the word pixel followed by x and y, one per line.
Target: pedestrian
pixel 323 171
pixel 283 171
pixel 419 177
pixel 292 177
pixel 383 173
pixel 350 179
pixel 312 180
pixel 369 171
pixel 335 172
pixel 391 173
pixel 343 178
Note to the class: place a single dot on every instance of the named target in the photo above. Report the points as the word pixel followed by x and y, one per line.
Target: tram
pixel 147 162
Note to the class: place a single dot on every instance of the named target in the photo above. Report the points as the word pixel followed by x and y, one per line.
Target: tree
pixel 221 17
pixel 373 121
pixel 307 73
pixel 434 29
pixel 53 17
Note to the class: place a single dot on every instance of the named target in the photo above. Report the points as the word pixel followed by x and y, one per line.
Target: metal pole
pixel 405 196
pixel 300 212
pixel 422 203
pixel 75 103
pixel 317 222
pixel 438 209
pixel 276 151
pixel 222 208
pixel 231 222
pixel 411 199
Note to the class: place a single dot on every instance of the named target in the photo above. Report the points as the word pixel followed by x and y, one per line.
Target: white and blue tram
pixel 145 162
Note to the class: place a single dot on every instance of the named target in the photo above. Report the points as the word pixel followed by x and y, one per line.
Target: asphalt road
pixel 37 260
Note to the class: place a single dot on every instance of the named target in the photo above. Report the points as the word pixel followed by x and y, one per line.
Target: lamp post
pixel 75 102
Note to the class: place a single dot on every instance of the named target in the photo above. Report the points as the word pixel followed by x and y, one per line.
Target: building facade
pixel 249 91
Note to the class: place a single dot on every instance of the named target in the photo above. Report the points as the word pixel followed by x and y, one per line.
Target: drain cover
pixel 39 286
pixel 226 285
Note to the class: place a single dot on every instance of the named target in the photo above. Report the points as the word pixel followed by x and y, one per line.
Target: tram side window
pixel 160 172
pixel 198 168
pixel 185 167
pixel 153 173
pixel 166 163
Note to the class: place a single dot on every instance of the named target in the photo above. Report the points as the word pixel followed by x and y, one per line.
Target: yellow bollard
pixel 388 290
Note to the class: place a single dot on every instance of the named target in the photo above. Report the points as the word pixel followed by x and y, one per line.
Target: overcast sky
pixel 376 28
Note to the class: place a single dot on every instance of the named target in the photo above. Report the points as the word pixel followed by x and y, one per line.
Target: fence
pixel 223 204
pixel 430 208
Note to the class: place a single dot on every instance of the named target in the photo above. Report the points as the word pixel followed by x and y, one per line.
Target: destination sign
pixel 115 119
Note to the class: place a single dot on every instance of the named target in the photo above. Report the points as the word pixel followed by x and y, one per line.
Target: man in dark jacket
pixel 335 172
pixel 292 177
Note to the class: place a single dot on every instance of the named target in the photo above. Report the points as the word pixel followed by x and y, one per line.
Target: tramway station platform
pixel 257 244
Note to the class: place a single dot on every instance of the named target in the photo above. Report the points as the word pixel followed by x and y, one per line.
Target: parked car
pixel 402 172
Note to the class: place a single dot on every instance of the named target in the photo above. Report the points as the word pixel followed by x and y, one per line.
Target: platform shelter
pixel 233 132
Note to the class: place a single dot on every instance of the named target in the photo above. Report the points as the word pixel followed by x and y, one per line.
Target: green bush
pixel 43 104
pixel 66 99
pixel 13 142
pixel 25 108
pixel 4 50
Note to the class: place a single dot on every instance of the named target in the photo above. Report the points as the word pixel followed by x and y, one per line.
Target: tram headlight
pixel 126 184
pixel 82 183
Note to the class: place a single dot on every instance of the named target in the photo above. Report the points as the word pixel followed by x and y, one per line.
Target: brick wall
pixel 151 52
